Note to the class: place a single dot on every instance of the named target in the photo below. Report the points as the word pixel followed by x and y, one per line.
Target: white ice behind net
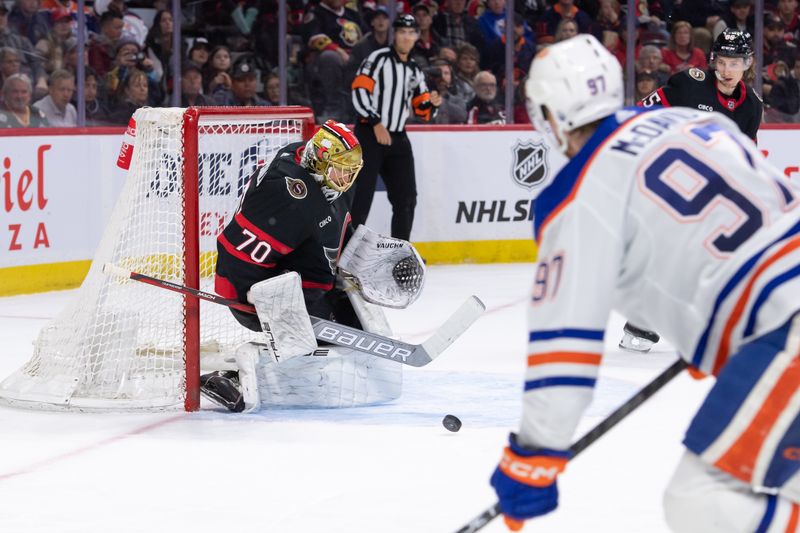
pixel 119 344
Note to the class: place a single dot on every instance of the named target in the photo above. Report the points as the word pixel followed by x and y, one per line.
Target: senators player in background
pixel 722 89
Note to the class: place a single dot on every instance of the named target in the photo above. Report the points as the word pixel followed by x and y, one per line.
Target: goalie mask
pixel 333 155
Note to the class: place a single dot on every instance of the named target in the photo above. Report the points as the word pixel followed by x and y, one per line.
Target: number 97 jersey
pixel 673 217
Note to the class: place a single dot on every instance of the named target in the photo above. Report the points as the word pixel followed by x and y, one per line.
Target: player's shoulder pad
pixel 287 188
pixel 683 80
pixel 285 176
pixel 285 161
pixel 283 194
pixel 696 74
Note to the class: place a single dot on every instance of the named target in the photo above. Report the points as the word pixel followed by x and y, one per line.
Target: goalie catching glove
pixel 387 271
pixel 525 482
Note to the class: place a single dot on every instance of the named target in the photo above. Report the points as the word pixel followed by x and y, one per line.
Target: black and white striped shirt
pixel 386 89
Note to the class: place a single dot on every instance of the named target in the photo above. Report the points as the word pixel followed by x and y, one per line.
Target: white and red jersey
pixel 674 218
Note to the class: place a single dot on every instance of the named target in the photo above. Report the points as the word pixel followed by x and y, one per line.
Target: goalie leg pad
pixel 330 377
pixel 249 356
pixel 283 316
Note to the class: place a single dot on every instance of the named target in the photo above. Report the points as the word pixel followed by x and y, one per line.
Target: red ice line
pixel 33 467
pixel 155 425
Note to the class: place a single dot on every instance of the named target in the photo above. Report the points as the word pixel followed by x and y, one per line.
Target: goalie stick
pixel 356 339
pixel 480 521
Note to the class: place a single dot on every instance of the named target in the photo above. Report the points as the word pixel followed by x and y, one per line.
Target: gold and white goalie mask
pixel 333 156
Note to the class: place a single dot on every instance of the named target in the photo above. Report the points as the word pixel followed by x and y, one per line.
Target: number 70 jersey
pixel 674 218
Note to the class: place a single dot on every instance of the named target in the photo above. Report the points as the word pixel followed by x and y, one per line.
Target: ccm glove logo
pixel 536 471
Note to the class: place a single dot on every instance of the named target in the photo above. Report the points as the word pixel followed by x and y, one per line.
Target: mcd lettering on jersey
pixel 529 167
pixel 24 194
pixel 631 140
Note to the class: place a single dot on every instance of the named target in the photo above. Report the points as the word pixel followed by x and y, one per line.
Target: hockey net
pixel 123 345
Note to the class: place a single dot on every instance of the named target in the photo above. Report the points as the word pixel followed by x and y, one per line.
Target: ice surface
pixel 390 468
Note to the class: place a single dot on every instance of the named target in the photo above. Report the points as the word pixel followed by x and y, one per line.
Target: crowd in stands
pixel 230 52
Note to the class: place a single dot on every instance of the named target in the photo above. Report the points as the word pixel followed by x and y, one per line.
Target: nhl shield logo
pixel 529 167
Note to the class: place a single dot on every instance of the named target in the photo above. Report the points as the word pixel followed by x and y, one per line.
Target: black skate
pixel 222 388
pixel 637 339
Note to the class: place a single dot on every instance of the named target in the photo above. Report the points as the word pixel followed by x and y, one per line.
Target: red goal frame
pixel 191 182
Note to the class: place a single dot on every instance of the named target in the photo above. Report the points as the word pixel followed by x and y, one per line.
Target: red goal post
pixel 120 345
pixel 193 128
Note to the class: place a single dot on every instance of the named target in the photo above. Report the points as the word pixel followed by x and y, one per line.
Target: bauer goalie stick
pixel 480 521
pixel 340 335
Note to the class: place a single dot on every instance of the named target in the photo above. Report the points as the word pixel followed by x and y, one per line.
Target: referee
pixel 388 86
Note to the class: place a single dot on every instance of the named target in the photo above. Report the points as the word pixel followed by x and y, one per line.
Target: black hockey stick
pixel 340 335
pixel 480 521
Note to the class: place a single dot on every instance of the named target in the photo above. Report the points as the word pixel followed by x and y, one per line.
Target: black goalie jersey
pixel 283 223
pixel 697 89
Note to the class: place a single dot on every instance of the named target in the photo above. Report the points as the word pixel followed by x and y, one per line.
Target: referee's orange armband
pixel 363 81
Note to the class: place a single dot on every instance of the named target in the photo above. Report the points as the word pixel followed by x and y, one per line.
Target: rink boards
pixel 59 188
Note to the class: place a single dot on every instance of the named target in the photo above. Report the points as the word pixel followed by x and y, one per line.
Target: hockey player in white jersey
pixel 672 217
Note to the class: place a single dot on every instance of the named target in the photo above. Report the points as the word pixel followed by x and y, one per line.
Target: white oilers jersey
pixel 673 218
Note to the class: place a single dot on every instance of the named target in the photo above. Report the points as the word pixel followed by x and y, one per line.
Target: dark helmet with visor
pixel 732 43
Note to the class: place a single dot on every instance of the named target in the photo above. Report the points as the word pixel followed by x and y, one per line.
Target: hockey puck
pixel 451 423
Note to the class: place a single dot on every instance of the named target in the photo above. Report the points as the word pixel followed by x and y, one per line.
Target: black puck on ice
pixel 451 423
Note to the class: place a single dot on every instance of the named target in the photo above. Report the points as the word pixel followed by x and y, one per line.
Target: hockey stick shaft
pixel 333 333
pixel 108 268
pixel 480 521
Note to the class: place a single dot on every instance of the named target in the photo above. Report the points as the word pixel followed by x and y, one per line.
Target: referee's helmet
pixel 405 21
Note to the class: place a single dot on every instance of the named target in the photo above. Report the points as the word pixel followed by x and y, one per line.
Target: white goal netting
pixel 120 344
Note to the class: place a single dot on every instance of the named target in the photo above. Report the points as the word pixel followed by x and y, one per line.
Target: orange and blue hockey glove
pixel 525 481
